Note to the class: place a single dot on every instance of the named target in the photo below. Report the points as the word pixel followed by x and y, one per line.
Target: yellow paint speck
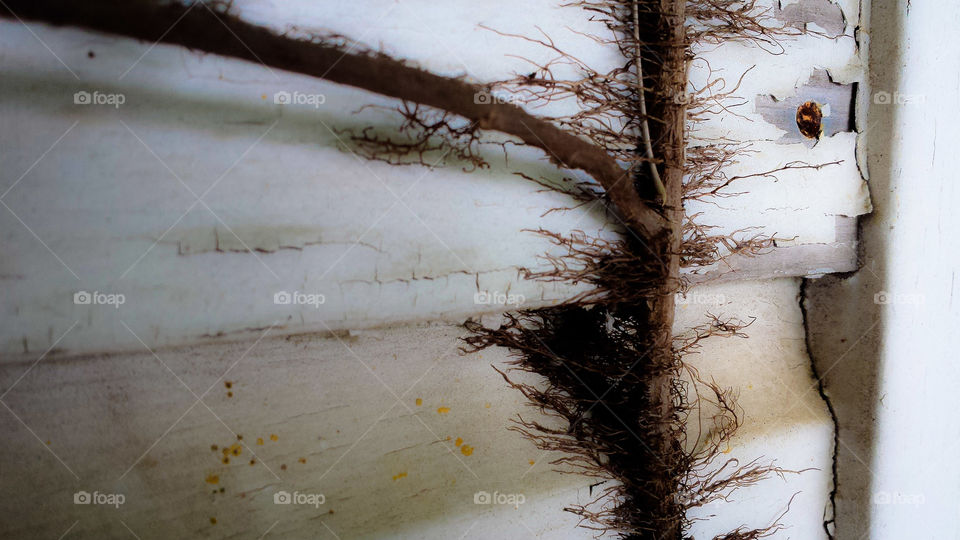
pixel 443 410
pixel 236 449
pixel 487 406
pixel 259 441
pixel 302 460
pixel 458 442
pixel 213 479
pixel 466 450
pixel 419 402
pixel 399 476
pixel 728 450
pixel 263 96
pixel 273 437
pixel 532 462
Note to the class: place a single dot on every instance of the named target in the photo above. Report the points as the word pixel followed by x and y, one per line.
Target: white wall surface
pixel 106 199
pixel 364 412
pixel 885 337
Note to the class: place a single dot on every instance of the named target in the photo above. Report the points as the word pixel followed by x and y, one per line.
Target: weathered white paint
pixel 784 420
pixel 132 424
pixel 113 205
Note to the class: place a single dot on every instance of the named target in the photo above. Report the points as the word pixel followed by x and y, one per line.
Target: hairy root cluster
pixel 628 409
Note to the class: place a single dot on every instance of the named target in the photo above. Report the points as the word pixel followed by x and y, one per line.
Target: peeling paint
pixel 822 13
pixel 261 238
pixel 836 101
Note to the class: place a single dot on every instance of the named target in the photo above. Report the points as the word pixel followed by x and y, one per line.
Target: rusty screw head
pixel 809 117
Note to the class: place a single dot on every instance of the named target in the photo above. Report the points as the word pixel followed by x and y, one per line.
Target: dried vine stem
pixel 642 101
pixel 219 31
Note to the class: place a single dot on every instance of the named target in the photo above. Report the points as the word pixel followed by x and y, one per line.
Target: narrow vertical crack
pixel 830 511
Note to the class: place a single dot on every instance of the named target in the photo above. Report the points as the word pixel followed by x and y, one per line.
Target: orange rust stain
pixel 259 441
pixel 49 443
pixel 239 437
pixel 458 442
pixel 487 405
pixel 419 402
pixel 273 437
pixel 399 476
pixel 466 450
pixel 213 447
pixel 228 384
pixel 253 462
pixel 302 460
pixel 225 460
pixel 229 394
pixel 283 467
pixel 213 521
pixel 213 479
pixel 443 410
pixel 236 449
pixel 532 462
